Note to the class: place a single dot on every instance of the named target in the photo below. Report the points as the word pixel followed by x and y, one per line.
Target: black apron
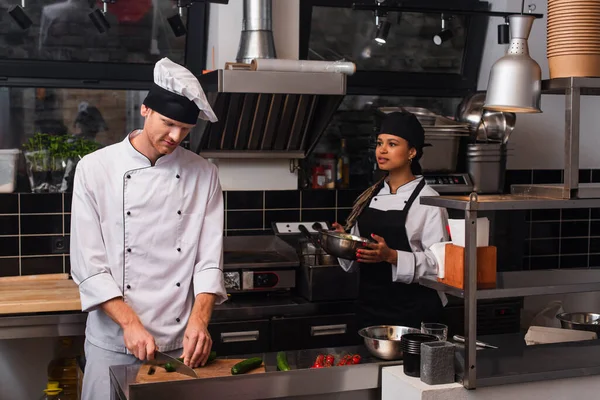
pixel 382 301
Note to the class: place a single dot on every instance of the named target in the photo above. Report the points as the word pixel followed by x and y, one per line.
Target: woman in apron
pixel 390 213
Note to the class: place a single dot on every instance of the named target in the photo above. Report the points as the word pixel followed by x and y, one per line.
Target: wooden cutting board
pixel 38 293
pixel 217 368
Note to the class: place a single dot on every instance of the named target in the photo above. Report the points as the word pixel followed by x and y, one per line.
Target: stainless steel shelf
pixel 586 86
pixel 514 362
pixel 506 202
pixel 529 283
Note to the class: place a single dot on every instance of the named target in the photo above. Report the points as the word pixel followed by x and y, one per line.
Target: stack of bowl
pixel 573 34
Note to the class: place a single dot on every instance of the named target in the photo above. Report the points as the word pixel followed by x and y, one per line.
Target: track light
pixel 99 18
pixel 444 34
pixel 176 21
pixel 19 16
pixel 383 30
pixel 504 32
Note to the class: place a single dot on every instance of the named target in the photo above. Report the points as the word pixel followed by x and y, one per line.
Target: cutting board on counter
pixel 38 293
pixel 217 368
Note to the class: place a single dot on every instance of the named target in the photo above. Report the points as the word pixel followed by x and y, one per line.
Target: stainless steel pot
pixel 383 341
pixel 580 321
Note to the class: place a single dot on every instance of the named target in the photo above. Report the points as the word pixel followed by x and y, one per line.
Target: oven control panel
pixel 259 280
pixel 449 183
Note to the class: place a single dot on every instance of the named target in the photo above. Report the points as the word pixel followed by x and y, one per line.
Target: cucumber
pixel 169 367
pixel 282 363
pixel 247 365
pixel 211 357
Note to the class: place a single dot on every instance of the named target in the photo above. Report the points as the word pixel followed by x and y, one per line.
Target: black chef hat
pixel 405 125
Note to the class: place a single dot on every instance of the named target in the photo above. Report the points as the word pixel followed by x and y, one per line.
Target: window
pixel 63 48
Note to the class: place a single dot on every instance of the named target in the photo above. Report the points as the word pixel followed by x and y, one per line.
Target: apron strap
pixel 414 195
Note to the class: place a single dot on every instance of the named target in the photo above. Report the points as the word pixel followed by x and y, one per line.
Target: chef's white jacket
pixel 425 226
pixel 150 234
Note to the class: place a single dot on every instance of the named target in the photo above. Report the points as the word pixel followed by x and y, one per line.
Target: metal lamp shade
pixel 516 79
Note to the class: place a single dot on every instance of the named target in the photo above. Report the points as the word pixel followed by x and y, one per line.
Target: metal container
pixel 383 341
pixel 442 156
pixel 486 164
pixel 580 321
pixel 342 245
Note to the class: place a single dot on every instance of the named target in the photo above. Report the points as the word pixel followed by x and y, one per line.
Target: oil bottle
pixel 52 391
pixel 64 370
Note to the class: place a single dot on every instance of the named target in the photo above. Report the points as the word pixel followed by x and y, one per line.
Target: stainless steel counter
pixel 355 382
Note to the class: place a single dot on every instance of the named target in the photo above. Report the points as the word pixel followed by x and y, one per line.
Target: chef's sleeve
pixel 421 261
pixel 89 264
pixel 208 269
pixel 350 265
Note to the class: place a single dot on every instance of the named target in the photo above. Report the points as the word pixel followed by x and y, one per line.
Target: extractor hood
pixel 267 114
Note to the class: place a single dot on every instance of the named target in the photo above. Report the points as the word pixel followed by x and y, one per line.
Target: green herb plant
pixel 51 152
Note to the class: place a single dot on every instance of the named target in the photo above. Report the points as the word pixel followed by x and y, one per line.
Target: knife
pixel 161 359
pixel 461 339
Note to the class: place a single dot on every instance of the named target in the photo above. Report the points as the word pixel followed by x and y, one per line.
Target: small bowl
pixel 384 341
pixel 580 321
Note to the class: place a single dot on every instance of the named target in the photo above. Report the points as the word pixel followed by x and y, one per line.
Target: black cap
pixel 405 125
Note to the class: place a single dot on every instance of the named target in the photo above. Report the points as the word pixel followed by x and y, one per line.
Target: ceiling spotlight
pixel 383 29
pixel 444 34
pixel 99 17
pixel 19 16
pixel 504 32
pixel 176 21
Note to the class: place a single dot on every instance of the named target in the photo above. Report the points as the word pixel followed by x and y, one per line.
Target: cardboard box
pixel 455 262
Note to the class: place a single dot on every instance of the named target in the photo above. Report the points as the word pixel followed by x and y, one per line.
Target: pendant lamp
pixel 516 79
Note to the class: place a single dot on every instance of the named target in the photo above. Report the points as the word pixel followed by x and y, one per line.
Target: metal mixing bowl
pixel 580 321
pixel 342 245
pixel 383 341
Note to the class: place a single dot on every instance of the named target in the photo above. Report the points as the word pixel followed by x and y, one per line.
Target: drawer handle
pixel 232 337
pixel 326 330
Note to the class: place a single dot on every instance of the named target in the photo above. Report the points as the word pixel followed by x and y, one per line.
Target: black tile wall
pixel 574 228
pixel 318 199
pixel 275 199
pixel 42 265
pixel 245 220
pixel 585 176
pixel 9 266
pixel 578 261
pixel 318 215
pixel 547 176
pixel 547 262
pixel 9 246
pixel 9 204
pixel 251 200
pixel 554 238
pixel 568 238
pixel 272 216
pixel 542 230
pixel 41 203
pixel 40 224
pixel 9 225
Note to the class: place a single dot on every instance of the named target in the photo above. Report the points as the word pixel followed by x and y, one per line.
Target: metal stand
pixel 470 271
pixel 572 88
pixel 511 284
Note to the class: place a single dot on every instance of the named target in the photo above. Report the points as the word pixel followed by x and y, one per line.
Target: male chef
pixel 147 237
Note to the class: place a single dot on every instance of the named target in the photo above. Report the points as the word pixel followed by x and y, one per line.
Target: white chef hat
pixel 177 94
